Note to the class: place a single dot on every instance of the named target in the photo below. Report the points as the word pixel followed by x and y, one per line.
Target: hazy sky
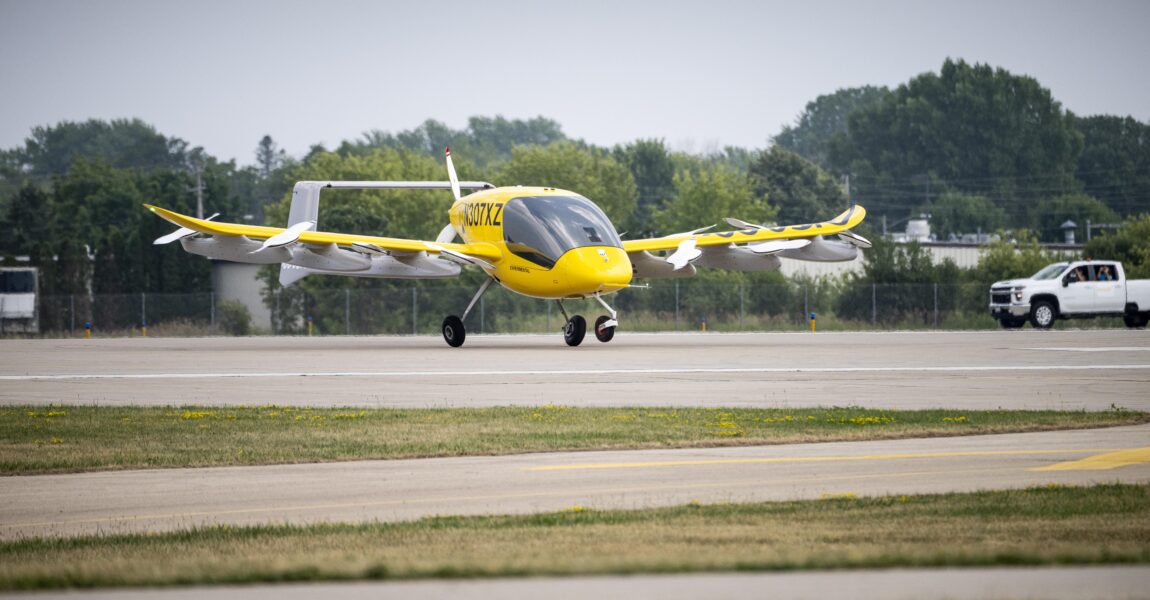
pixel 700 75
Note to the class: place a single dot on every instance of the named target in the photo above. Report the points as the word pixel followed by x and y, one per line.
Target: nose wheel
pixel 603 331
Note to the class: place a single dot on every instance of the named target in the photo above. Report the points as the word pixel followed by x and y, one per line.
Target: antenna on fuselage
pixel 451 175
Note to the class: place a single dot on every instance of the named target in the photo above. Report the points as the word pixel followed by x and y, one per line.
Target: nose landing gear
pixel 575 327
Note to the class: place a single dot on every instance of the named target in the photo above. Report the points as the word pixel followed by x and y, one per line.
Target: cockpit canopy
pixel 542 228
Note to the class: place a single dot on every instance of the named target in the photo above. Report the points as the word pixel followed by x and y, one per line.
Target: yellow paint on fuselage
pixel 579 273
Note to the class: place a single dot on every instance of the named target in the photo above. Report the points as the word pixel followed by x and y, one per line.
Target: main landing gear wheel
pixel 604 334
pixel 453 331
pixel 574 331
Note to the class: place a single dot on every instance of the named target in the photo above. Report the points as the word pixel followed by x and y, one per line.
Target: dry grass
pixel 1039 526
pixel 85 438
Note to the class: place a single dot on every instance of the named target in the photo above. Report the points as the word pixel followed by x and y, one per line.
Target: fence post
pixel 414 310
pixel 144 313
pixel 874 304
pixel 347 311
pixel 548 316
pixel 482 316
pixel 212 309
pixel 676 305
pixel 72 311
pixel 742 310
pixel 936 306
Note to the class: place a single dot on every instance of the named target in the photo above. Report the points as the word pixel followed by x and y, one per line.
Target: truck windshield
pixel 1050 271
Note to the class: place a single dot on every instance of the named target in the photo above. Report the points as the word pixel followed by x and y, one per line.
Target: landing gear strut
pixel 604 325
pixel 453 331
pixel 575 327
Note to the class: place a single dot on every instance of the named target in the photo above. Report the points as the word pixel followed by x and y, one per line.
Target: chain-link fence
pixel 405 308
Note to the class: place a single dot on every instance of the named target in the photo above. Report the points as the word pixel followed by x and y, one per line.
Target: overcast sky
pixel 701 75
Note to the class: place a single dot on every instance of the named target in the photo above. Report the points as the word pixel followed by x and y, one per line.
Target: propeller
pixel 287 236
pixel 182 232
pixel 452 176
pixel 855 239
pixel 741 224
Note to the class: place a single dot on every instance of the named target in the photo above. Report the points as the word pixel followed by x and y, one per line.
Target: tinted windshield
pixel 1050 271
pixel 541 228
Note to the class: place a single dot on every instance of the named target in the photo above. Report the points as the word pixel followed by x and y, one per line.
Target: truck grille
pixel 1000 297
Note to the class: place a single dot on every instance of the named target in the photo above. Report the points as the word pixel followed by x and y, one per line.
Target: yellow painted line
pixel 798 459
pixel 1103 462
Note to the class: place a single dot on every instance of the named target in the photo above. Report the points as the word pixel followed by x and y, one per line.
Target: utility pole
pixel 196 162
pixel 847 188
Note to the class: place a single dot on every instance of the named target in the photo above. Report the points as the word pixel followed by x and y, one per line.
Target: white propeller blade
pixel 451 175
pixel 287 236
pixel 855 239
pixel 684 254
pixel 457 257
pixel 180 233
pixel 741 224
pixel 774 246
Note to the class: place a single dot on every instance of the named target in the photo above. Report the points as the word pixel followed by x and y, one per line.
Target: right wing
pixel 326 252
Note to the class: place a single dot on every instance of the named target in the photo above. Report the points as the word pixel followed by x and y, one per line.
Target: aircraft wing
pixel 301 251
pixel 753 248
pixel 258 232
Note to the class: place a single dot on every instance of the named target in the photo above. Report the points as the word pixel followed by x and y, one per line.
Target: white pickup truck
pixel 1065 290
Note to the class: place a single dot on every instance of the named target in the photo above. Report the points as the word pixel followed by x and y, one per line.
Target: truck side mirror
pixel 1066 281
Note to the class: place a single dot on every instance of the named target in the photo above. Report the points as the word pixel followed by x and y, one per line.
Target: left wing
pixel 302 251
pixel 750 249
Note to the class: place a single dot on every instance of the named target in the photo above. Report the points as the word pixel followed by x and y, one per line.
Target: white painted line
pixel 519 373
pixel 1099 349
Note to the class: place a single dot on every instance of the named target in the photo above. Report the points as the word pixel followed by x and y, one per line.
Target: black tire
pixel 453 331
pixel 603 334
pixel 1135 320
pixel 1043 314
pixel 575 330
pixel 1012 322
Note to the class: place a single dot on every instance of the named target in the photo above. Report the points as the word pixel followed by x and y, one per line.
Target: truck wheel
pixel 1012 323
pixel 1042 315
pixel 1136 320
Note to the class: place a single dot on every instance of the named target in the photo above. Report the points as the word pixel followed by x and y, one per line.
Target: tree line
pixel 977 148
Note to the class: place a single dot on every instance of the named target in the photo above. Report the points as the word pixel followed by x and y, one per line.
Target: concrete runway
pixel 1062 369
pixel 1061 583
pixel 156 500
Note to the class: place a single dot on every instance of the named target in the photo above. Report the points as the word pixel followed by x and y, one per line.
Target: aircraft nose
pixel 601 269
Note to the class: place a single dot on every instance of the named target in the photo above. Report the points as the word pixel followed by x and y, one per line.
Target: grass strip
pixel 60 439
pixel 1053 525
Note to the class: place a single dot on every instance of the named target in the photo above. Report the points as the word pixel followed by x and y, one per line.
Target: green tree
pixel 1115 162
pixel 589 172
pixel 654 174
pixel 898 282
pixel 825 117
pixel 798 189
pixel 1048 215
pixel 1129 244
pixel 955 213
pixel 971 128
pixel 708 193
pixel 122 143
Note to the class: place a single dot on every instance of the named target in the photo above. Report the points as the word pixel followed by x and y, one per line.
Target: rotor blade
pixel 180 233
pixel 684 254
pixel 451 175
pixel 287 236
pixel 855 239
pixel 741 224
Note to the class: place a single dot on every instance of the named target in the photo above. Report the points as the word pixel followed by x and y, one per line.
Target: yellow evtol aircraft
pixel 541 242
